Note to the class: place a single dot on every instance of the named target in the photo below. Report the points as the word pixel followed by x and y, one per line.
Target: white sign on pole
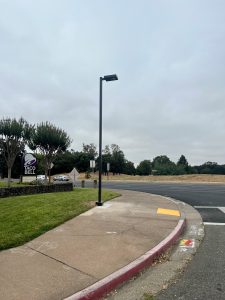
pixel 92 164
pixel 108 167
pixel 73 175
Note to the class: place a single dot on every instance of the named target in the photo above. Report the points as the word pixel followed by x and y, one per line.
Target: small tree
pixel 90 149
pixel 144 168
pixel 161 160
pixel 50 141
pixel 117 160
pixel 162 165
pixel 80 160
pixel 183 166
pixel 13 137
pixel 129 168
pixel 182 161
pixel 64 162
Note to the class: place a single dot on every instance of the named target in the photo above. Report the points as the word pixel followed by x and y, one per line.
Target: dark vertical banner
pixel 29 164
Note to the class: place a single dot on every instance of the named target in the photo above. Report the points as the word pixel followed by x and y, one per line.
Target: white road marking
pixel 221 208
pixel 215 224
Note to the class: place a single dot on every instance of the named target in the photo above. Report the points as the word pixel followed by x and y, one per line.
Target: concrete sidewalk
pixel 88 255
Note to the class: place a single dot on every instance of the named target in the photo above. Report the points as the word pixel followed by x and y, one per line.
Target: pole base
pixel 99 203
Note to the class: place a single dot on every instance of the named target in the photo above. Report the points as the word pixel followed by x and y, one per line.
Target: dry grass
pixel 193 178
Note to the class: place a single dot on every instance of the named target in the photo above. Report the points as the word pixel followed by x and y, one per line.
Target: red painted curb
pixel 105 285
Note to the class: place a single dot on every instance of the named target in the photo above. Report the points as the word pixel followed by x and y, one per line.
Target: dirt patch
pixel 192 178
pixel 90 204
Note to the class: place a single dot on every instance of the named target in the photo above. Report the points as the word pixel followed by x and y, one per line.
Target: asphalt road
pixel 208 199
pixel 204 277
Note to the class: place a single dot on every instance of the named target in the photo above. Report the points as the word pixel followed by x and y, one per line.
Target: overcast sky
pixel 169 56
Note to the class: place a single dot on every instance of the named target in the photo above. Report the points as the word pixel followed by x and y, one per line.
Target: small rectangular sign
pixel 92 164
pixel 29 164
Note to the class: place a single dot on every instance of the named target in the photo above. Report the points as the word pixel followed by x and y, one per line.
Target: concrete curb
pixel 107 284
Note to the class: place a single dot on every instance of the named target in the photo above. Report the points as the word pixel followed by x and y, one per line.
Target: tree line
pixel 112 154
pixel 50 145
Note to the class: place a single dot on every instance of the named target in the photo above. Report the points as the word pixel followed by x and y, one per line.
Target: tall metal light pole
pixel 106 78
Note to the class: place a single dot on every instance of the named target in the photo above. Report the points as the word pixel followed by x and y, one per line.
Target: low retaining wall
pixel 35 189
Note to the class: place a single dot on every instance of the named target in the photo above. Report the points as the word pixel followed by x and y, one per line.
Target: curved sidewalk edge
pixel 107 284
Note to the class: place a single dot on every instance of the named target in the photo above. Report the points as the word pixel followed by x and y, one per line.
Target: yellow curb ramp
pixel 170 212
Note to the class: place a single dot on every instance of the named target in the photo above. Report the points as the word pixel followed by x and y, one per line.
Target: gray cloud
pixel 169 56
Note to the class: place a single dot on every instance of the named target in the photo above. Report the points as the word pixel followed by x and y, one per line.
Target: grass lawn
pixel 5 184
pixel 23 218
